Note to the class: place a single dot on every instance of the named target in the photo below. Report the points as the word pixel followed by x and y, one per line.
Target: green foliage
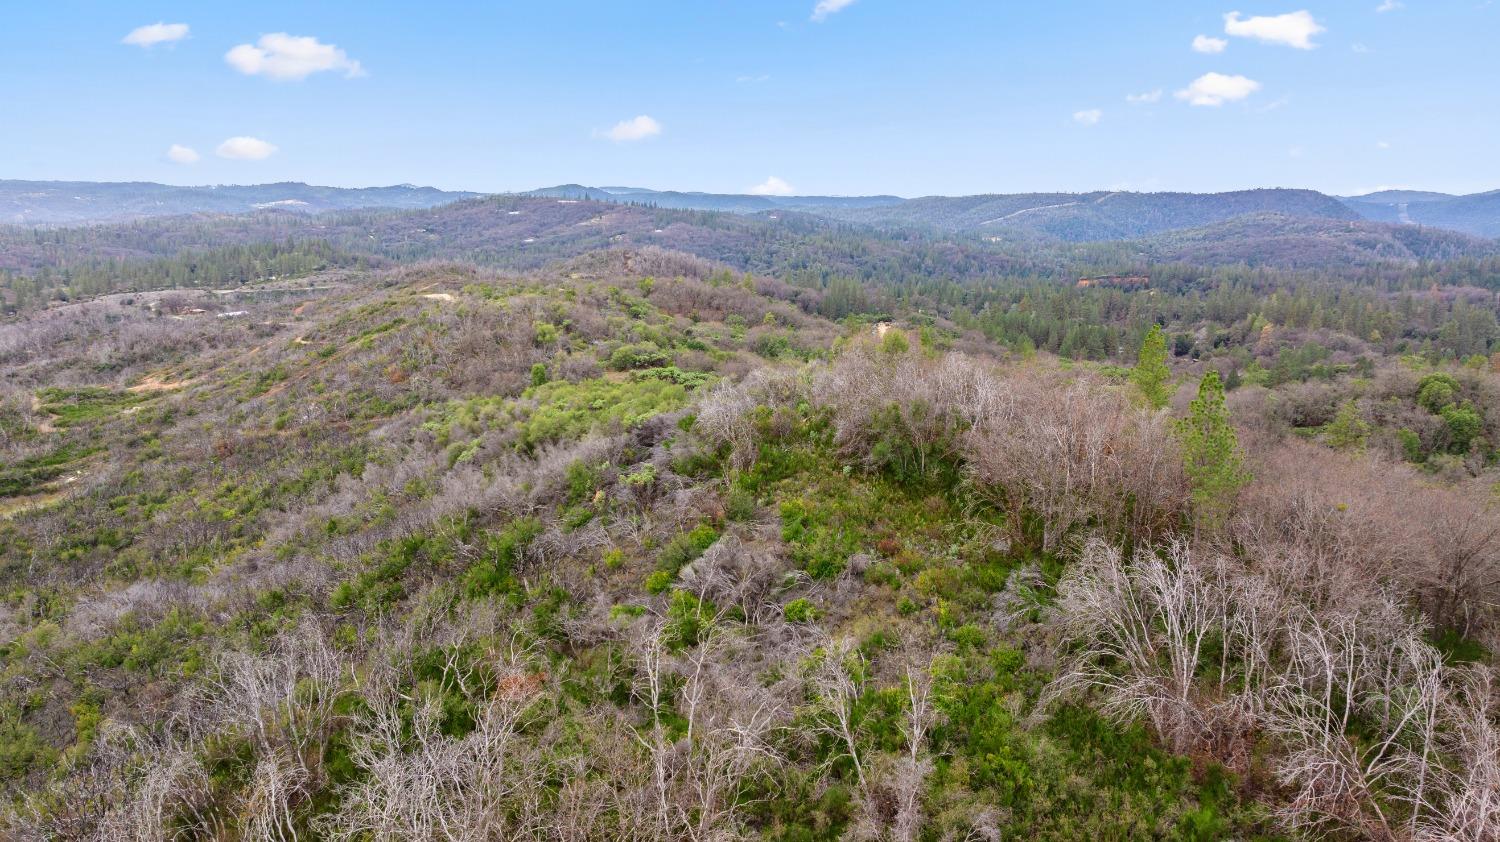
pixel 688 619
pixel 638 356
pixel 913 444
pixel 773 345
pixel 659 581
pixel 1151 375
pixel 569 410
pixel 1437 391
pixel 1411 445
pixel 1464 426
pixel 686 547
pixel 380 584
pixel 544 333
pixel 800 610
pixel 492 574
pixel 82 404
pixel 22 750
pixel 581 480
pixel 739 505
pixel 822 552
pixel 27 476
pixel 538 374
pixel 673 374
pixel 1347 431
pixel 895 343
pixel 1211 452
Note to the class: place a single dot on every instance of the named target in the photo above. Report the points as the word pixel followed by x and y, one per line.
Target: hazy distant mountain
pixel 64 202
pixel 731 202
pixel 1082 217
pixel 1477 214
pixel 1290 242
pixel 1382 197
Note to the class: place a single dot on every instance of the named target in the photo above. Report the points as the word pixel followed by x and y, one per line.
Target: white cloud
pixel 829 7
pixel 290 57
pixel 750 80
pixel 772 186
pixel 1089 117
pixel 1359 48
pixel 1293 29
pixel 1382 144
pixel 1144 99
pixel 245 149
pixel 1207 44
pixel 1216 89
pixel 156 33
pixel 179 154
pixel 637 128
pixel 1390 6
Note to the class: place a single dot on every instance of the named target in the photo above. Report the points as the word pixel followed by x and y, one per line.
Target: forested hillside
pixel 1477 214
pixel 635 546
pixel 1085 217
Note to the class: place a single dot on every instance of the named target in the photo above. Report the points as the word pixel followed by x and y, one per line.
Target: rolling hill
pixel 1308 243
pixel 73 202
pixel 733 203
pixel 1088 217
pixel 1477 214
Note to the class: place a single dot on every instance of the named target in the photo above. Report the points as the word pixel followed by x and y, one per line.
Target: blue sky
pixel 912 97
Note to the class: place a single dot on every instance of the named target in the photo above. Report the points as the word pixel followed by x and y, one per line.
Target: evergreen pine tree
pixel 1211 453
pixel 1151 374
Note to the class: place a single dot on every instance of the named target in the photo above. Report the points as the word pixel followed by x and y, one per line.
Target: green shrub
pixel 686 547
pixel 492 574
pixel 642 355
pixel 658 581
pixel 800 611
pixel 739 505
pixel 1464 426
pixel 1436 391
pixel 895 343
pixel 544 333
pixel 581 480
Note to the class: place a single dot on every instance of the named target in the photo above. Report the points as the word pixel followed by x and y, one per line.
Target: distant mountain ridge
pixel 73 202
pixel 1476 213
pixel 1067 217
pixel 1088 217
pixel 730 202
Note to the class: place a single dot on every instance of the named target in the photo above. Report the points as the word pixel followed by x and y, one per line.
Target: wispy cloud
pixel 1088 117
pixel 179 154
pixel 1293 29
pixel 825 8
pixel 1210 45
pixel 773 186
pixel 245 149
pixel 1389 6
pixel 286 58
pixel 636 128
pixel 156 33
pixel 748 79
pixel 1146 98
pixel 1215 89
